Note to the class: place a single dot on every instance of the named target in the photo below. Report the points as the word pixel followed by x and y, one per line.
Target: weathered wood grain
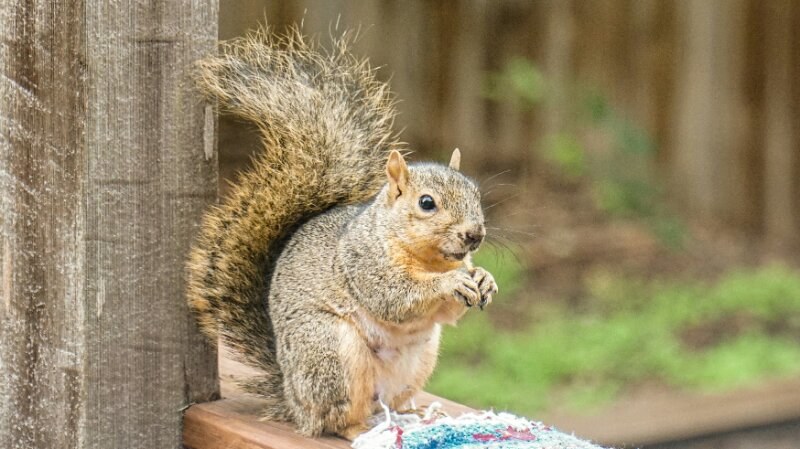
pixel 234 424
pixel 106 162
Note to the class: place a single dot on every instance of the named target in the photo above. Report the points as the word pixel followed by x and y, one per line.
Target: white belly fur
pixel 398 351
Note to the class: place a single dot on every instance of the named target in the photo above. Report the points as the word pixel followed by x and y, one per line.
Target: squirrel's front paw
pixel 486 285
pixel 464 288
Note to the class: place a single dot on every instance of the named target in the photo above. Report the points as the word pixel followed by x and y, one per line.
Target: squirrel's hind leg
pixel 330 380
pixel 350 433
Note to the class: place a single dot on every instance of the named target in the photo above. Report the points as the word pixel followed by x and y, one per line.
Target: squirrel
pixel 333 264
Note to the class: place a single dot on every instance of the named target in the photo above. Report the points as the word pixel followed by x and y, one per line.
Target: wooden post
pixel 107 160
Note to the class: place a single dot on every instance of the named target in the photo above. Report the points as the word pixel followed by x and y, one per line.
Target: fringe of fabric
pixel 470 430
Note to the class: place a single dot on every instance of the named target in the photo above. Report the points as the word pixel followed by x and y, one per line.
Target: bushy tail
pixel 326 126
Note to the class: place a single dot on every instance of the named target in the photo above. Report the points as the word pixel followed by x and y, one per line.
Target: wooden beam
pixel 107 160
pixel 234 424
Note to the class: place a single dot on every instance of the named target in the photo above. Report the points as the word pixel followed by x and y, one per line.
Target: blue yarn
pixel 448 436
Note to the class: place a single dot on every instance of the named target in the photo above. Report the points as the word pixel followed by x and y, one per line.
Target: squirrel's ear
pixel 397 172
pixel 455 159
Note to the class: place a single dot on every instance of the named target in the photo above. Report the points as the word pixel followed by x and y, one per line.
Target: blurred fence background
pixel 645 158
pixel 714 84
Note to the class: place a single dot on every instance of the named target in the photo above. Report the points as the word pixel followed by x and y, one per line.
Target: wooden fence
pixel 107 159
pixel 716 82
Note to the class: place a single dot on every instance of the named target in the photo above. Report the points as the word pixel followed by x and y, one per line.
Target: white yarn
pixel 379 438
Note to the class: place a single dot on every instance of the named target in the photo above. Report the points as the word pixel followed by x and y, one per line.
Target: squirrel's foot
pixel 351 432
pixel 486 285
pixel 425 411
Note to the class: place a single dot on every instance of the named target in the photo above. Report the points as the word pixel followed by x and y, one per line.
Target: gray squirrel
pixel 333 263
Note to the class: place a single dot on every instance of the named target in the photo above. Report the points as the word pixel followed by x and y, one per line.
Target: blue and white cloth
pixel 468 431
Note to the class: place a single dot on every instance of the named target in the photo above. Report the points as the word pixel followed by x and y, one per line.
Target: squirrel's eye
pixel 427 203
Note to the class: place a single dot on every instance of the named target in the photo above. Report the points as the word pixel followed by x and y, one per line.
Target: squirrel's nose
pixel 474 237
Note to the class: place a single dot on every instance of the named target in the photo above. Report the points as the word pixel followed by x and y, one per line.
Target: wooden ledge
pixel 234 423
pixel 663 416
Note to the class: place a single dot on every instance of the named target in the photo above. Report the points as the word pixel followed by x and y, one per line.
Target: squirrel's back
pixel 326 126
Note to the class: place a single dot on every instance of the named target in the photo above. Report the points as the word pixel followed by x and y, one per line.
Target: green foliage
pixel 629 138
pixel 618 171
pixel 669 229
pixel 520 83
pixel 634 332
pixel 625 197
pixel 566 153
pixel 621 178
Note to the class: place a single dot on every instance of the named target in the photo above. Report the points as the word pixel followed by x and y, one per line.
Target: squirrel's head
pixel 437 210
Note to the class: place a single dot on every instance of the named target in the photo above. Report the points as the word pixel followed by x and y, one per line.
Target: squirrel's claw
pixel 463 299
pixel 466 289
pixel 469 294
pixel 486 285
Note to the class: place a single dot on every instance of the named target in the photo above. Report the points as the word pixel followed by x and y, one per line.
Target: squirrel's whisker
pixel 504 200
pixel 483 181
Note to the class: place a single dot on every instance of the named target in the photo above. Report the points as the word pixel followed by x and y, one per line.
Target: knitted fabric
pixel 470 430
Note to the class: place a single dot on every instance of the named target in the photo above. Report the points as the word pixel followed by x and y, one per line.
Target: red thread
pixel 398 442
pixel 484 437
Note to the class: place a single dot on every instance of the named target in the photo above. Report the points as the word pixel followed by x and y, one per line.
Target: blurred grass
pixel 743 328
